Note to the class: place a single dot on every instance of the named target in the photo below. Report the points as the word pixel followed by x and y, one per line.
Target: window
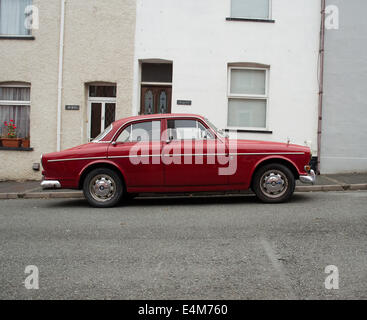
pixel 141 132
pixel 13 16
pixel 15 105
pixel 188 130
pixel 252 9
pixel 156 72
pixel 247 97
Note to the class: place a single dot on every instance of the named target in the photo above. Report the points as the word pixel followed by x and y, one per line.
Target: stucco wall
pixel 197 38
pixel 99 44
pixel 344 134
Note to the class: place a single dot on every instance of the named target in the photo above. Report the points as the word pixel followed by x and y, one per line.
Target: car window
pixel 141 132
pixel 188 130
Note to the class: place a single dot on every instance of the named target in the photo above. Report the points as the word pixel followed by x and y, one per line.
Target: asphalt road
pixel 186 248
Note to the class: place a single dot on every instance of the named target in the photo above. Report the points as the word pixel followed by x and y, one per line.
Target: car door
pixel 190 154
pixel 137 151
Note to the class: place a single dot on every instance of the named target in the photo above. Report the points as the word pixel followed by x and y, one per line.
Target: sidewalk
pixel 32 189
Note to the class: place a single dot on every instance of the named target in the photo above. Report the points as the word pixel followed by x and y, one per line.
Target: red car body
pixel 68 168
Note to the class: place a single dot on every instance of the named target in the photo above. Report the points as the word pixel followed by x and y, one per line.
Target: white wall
pixel 197 38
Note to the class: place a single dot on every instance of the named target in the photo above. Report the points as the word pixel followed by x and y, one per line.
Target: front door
pixel 102 114
pixel 155 99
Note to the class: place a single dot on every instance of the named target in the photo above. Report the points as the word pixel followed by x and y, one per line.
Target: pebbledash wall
pixel 98 48
pixel 202 43
pixel 344 133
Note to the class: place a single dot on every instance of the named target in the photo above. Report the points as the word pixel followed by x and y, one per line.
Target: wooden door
pixel 155 99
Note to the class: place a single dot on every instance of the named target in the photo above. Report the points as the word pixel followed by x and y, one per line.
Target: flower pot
pixel 11 142
pixel 25 143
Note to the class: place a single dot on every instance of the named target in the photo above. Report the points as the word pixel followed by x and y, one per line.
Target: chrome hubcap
pixel 102 187
pixel 274 183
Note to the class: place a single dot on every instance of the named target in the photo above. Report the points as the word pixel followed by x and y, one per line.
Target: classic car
pixel 165 153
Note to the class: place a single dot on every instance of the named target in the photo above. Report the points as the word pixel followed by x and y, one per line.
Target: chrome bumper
pixel 50 184
pixel 309 179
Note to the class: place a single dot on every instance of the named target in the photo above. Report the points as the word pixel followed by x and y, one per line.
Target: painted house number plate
pixel 72 107
pixel 184 102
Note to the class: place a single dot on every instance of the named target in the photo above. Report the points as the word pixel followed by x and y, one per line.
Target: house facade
pixel 344 130
pixel 66 72
pixel 250 66
pixel 69 68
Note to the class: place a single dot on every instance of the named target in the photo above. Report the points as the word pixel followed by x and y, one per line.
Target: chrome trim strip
pixel 201 154
pixel 265 153
pixel 72 159
pixel 181 154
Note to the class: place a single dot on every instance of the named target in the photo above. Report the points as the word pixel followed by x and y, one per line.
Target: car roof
pixel 157 116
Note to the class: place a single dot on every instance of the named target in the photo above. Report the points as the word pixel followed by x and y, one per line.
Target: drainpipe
pixel 321 82
pixel 59 86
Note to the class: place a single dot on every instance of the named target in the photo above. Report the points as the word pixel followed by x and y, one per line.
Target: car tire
pixel 274 183
pixel 103 188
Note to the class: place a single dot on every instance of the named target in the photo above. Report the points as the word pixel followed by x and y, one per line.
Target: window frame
pixel 249 97
pixel 208 129
pixel 130 124
pixel 17 103
pixel 28 36
pixel 269 18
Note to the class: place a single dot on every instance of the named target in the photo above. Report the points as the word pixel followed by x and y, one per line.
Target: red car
pixel 175 153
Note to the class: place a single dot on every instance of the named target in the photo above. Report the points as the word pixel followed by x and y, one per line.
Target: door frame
pixel 103 101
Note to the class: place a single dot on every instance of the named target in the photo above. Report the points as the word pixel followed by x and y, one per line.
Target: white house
pixel 249 65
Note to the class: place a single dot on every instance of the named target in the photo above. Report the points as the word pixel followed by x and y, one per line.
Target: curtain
pixel 15 93
pixel 248 81
pixel 247 113
pixel 250 9
pixel 12 17
pixel 20 115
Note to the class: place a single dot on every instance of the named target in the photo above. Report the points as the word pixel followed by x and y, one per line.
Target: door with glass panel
pixel 155 99
pixel 101 109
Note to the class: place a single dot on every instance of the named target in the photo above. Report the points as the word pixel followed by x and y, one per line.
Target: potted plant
pixel 26 142
pixel 10 140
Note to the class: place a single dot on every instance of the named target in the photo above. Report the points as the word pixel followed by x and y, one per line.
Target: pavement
pixel 32 189
pixel 224 247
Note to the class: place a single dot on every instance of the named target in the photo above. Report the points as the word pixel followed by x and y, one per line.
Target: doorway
pixel 156 88
pixel 101 109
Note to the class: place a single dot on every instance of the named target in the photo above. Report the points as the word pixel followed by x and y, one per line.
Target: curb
pixel 79 194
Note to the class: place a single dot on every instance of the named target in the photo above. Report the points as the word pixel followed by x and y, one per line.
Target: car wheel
pixel 274 183
pixel 103 188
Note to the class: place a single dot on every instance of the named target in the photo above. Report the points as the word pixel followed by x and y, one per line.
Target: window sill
pixel 251 20
pixel 16 149
pixel 249 131
pixel 7 37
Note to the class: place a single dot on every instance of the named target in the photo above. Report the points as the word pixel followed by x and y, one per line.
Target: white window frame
pixel 103 101
pixel 270 14
pixel 249 97
pixel 30 35
pixel 15 102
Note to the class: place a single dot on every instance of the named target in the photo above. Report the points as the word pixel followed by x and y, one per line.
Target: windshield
pixel 102 134
pixel 218 131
